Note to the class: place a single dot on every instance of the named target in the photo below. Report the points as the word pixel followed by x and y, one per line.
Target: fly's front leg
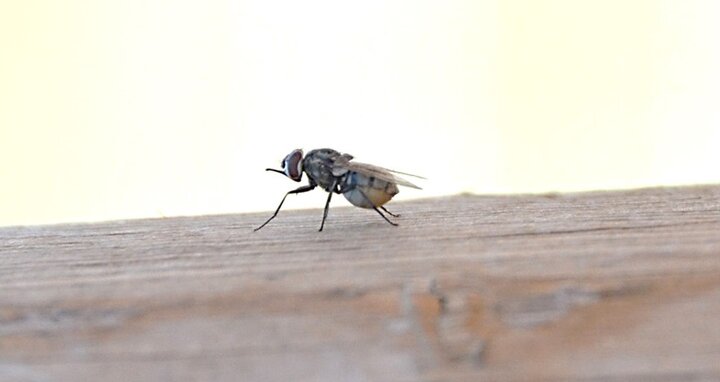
pixel 295 191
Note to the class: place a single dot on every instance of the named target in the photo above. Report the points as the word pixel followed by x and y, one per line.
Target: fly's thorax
pixel 367 191
pixel 318 165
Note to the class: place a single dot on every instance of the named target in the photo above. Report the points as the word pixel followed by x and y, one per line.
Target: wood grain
pixel 601 286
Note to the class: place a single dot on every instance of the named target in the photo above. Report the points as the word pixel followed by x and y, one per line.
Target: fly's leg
pixel 391 214
pixel 383 216
pixel 327 204
pixel 325 213
pixel 295 191
pixel 376 209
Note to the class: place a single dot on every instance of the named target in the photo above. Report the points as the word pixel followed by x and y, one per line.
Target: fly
pixel 362 184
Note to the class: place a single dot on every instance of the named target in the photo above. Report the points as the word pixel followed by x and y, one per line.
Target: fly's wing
pixel 387 175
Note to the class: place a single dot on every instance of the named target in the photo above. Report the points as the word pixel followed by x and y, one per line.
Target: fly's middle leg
pixel 327 205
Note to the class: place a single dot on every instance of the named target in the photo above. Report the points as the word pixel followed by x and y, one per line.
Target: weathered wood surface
pixel 606 286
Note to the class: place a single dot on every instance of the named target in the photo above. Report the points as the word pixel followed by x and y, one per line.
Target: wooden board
pixel 602 286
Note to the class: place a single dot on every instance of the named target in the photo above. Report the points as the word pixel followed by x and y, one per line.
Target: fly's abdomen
pixel 367 191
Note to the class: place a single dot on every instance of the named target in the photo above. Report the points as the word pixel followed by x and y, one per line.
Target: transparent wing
pixel 376 171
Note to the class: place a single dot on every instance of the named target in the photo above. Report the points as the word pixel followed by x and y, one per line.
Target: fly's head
pixel 292 165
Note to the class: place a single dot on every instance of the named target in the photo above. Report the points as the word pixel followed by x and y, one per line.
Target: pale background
pixel 146 108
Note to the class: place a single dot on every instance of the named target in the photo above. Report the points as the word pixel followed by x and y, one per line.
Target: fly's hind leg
pixel 391 214
pixel 377 210
pixel 384 217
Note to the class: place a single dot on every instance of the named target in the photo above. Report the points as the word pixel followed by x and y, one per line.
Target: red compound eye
pixel 292 165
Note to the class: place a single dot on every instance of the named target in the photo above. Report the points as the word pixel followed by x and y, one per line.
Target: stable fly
pixel 362 184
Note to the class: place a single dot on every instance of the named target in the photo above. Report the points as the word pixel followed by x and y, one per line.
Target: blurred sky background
pixel 147 108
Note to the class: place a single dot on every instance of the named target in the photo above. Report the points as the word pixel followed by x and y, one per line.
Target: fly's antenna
pixel 278 171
